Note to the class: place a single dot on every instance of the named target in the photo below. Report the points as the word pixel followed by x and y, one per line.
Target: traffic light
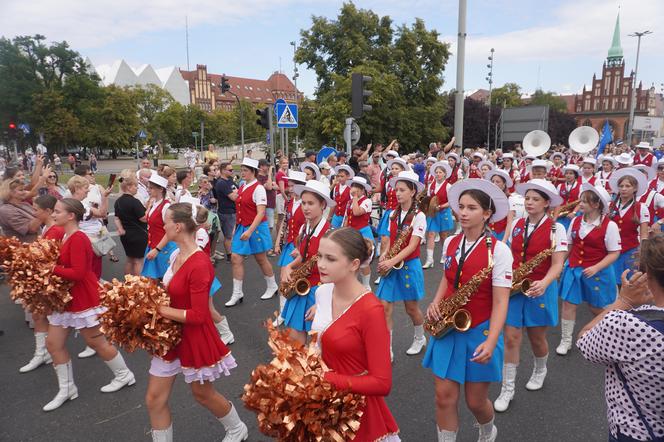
pixel 264 120
pixel 358 92
pixel 12 130
pixel 224 85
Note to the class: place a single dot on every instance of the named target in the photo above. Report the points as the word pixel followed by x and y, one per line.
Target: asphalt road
pixel 570 407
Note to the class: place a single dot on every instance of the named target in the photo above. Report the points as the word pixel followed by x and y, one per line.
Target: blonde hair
pixel 8 186
pixel 77 182
pixel 127 178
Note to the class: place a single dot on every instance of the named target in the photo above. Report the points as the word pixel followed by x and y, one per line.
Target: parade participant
pixel 474 167
pixel 131 223
pixel 252 235
pixel 536 308
pixel 498 228
pixel 442 221
pixel 588 167
pixel 341 194
pixel 569 191
pixel 456 173
pixel 485 166
pixel 524 170
pixel 556 175
pixel 644 154
pixel 624 160
pixel 171 178
pixel 358 214
pixel 43 206
pixel 200 356
pixel 594 244
pixel 429 175
pixel 473 358
pixel 314 199
pixel 353 334
pixel 389 198
pixel 75 264
pixel 632 217
pixel 508 166
pixel 159 249
pixel 407 225
pixel 657 182
pixel 608 164
pixel 575 159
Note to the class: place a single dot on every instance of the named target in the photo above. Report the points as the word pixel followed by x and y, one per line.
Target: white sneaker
pixel 428 265
pixel 87 353
pixel 536 380
pixel 236 298
pixel 417 345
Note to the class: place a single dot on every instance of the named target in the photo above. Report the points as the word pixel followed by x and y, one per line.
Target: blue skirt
pixel 598 291
pixel 498 236
pixel 626 261
pixel 441 222
pixel 450 357
pixel 216 285
pixel 285 258
pixel 541 311
pixel 405 284
pixel 366 232
pixel 156 268
pixel 295 309
pixel 337 221
pixel 565 222
pixel 259 242
pixel 384 224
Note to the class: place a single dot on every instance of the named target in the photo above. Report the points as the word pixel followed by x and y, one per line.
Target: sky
pixel 555 45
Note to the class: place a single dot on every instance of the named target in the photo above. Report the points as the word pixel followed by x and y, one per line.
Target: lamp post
pixel 239 106
pixel 489 78
pixel 297 96
pixel 461 58
pixel 636 71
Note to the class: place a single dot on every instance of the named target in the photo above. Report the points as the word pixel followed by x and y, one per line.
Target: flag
pixel 605 138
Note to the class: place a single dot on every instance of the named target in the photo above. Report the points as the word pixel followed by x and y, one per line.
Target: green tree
pixel 59 125
pixel 117 119
pixel 554 102
pixel 508 95
pixel 150 100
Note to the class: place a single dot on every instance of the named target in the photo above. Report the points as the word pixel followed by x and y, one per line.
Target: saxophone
pixel 453 316
pixel 565 209
pixel 395 249
pixel 298 284
pixel 520 282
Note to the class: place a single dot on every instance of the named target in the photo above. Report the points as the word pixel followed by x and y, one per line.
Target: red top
pixel 391 194
pixel 572 194
pixel 341 198
pixel 308 247
pixel 54 232
pixel 246 207
pixel 441 195
pixel 474 171
pixel 394 231
pixel 538 240
pixel 512 173
pixel 648 199
pixel 355 221
pixel 525 176
pixel 629 225
pixel 295 221
pixel 356 348
pixel 556 172
pixel 454 176
pixel 499 226
pixel 590 250
pixel 481 302
pixel 653 186
pixel 156 225
pixel 189 289
pixel 75 264
pixel 647 160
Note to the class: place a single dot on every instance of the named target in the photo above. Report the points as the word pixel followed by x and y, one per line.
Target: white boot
pixel 225 331
pixel 539 374
pixel 28 319
pixel 429 261
pixel 507 390
pixel 279 319
pixel 566 330
pixel 163 435
pixel 488 432
pixel 123 376
pixel 272 288
pixel 419 341
pixel 446 436
pixel 40 357
pixel 366 281
pixel 87 353
pixel 377 281
pixel 236 430
pixel 237 295
pixel 67 389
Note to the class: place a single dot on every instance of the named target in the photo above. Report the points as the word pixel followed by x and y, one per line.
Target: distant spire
pixel 615 52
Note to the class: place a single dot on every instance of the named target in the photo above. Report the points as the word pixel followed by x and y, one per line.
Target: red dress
pixel 75 264
pixel 356 347
pixel 189 289
pixel 54 232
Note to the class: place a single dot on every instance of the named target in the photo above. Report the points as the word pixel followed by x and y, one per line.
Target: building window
pixel 614 106
pixel 597 91
pixel 596 104
pixel 586 105
pixel 625 88
pixel 607 83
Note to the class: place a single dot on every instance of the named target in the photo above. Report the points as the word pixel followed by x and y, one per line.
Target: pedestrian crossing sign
pixel 287 115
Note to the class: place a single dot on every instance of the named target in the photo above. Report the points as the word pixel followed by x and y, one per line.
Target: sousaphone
pixel 536 142
pixel 583 139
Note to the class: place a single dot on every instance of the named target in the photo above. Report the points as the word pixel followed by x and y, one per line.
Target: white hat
pixel 530 157
pixel 644 145
pixel 541 163
pixel 501 173
pixel 398 161
pixel 651 172
pixel 444 164
pixel 572 167
pixel 558 154
pixel 250 162
pixel 508 155
pixel 543 186
pixel 159 180
pixel 345 168
pixel 497 196
pixel 601 192
pixel 641 180
pixel 660 161
pixel 431 160
pixel 625 159
pixel 324 165
pixel 297 176
pixel 589 160
pixel 313 167
pixel 407 175
pixel 610 159
pixel 361 181
pixel 453 155
pixel 391 153
pixel 477 155
pixel 317 187
pixel 486 163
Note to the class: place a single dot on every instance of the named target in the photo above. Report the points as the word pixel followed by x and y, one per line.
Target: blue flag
pixel 605 138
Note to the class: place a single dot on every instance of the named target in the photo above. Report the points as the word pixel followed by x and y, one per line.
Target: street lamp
pixel 636 71
pixel 489 78
pixel 297 96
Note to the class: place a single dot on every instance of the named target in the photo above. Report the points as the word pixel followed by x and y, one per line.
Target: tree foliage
pixel 548 98
pixel 508 95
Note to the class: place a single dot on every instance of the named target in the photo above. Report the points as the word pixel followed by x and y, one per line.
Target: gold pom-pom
pixel 292 399
pixel 30 271
pixel 7 246
pixel 132 321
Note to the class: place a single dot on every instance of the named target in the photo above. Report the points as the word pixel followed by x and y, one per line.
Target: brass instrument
pixel 284 230
pixel 395 249
pixel 453 316
pixel 566 209
pixel 520 282
pixel 298 284
pixel 433 208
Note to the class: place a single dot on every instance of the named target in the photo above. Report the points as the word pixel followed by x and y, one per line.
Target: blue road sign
pixel 287 115
pixel 25 127
pixel 142 134
pixel 278 102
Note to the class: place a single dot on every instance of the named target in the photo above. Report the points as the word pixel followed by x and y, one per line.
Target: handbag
pixel 102 244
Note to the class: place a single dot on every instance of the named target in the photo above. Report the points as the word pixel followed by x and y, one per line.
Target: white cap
pixel 159 180
pixel 399 161
pixel 501 173
pixel 391 153
pixel 590 160
pixel 572 167
pixel 601 192
pixel 641 180
pixel 540 163
pixel 431 160
pixel 407 175
pixel 644 145
pixel 486 163
pixel 297 176
pixel 444 164
pixel 324 165
pixel 625 159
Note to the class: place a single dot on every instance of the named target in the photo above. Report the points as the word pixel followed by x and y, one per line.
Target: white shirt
pixel 644 216
pixel 501 275
pixel 260 196
pixel 202 238
pixel 419 223
pixel 323 316
pixel 142 193
pixel 660 185
pixel 611 240
pixel 180 192
pixel 90 225
pixel 163 212
pixel 517 205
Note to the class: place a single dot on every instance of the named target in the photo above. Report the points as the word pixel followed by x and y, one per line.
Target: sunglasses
pixel 52 177
pixel 660 167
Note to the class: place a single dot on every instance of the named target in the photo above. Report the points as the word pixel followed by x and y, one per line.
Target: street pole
pixel 633 98
pixel 239 106
pixel 461 56
pixel 202 134
pixel 490 79
pixel 297 97
pixel 349 127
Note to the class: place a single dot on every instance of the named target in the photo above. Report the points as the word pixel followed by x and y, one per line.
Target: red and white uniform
pixel 570 192
pixel 474 171
pixel 358 221
pixel 439 190
pixel 515 176
pixel 419 222
pixel 590 180
pixel 648 159
pixel 203 240
pixel 250 196
pixel 295 219
pixel 156 218
pixel 556 174
pixel 602 178
pixel 539 238
pixel 629 218
pixel 591 241
pixel 390 192
pixel 310 237
pixel 341 195
pixel 456 175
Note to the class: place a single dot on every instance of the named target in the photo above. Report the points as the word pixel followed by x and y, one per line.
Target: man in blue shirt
pixel 419 168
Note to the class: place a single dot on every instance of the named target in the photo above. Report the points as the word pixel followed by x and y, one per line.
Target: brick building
pixel 205 90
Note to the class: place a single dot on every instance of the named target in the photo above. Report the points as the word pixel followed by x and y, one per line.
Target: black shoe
pixel 228 257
